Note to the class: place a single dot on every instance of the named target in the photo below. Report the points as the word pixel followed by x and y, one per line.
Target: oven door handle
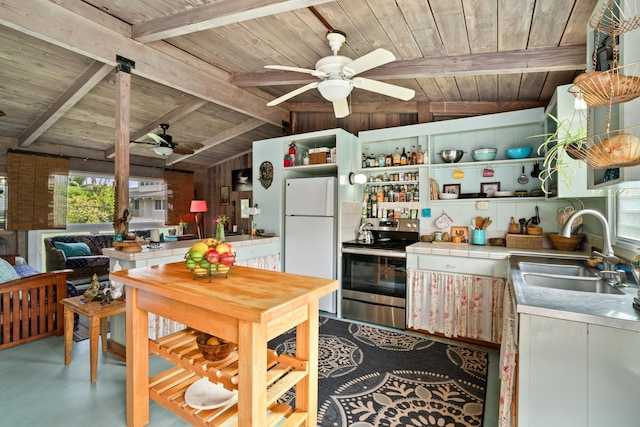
pixel 378 252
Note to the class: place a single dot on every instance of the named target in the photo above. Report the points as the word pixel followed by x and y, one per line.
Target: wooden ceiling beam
pixel 212 15
pixel 561 58
pixel 224 136
pixel 35 18
pixel 87 81
pixel 437 109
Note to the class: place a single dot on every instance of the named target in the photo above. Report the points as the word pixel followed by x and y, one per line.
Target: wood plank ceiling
pixel 199 65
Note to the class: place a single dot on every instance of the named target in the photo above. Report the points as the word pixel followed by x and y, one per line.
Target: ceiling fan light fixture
pixel 335 90
pixel 163 150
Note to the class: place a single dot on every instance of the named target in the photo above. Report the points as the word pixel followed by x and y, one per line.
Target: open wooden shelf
pixel 168 387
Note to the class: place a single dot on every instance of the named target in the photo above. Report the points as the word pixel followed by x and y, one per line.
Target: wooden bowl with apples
pixel 214 348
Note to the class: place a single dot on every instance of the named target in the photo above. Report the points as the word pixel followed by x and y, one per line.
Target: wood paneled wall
pixel 220 176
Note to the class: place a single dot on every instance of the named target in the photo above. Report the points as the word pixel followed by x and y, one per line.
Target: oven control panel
pixel 392 224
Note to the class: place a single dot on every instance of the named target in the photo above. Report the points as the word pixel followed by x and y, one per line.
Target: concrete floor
pixel 37 389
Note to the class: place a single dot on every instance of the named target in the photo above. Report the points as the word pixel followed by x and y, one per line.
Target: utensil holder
pixel 479 237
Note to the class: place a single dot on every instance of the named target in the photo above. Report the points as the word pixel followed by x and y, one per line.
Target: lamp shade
pixel 198 206
pixel 163 150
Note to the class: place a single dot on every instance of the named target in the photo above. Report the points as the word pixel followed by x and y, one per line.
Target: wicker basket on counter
pixel 565 243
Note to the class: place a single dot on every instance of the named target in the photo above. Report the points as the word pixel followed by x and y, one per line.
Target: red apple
pixel 227 259
pixel 213 255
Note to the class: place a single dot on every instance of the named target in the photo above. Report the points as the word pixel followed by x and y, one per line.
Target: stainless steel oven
pixel 374 274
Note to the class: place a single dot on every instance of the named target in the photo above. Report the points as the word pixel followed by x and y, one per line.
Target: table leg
pixel 307 349
pixel 94 331
pixel 68 334
pixel 252 374
pixel 137 339
pixel 104 330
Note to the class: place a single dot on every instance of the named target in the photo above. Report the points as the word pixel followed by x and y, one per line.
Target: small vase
pixel 220 232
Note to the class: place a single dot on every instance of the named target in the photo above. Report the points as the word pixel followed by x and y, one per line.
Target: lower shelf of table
pixel 168 387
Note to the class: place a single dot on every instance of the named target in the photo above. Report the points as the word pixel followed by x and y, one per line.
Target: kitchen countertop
pixel 486 251
pixel 609 310
pixel 602 309
pixel 181 247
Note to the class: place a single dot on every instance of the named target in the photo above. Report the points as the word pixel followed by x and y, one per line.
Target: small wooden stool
pixel 97 315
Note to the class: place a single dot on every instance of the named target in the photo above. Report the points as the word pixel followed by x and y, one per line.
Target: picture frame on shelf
pixel 489 187
pixel 224 195
pixel 451 189
pixel 460 234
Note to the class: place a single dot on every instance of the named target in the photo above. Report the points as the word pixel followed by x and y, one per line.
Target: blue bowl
pixel 519 153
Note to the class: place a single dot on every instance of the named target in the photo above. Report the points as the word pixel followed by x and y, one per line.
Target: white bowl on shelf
pixel 503 194
pixel 447 196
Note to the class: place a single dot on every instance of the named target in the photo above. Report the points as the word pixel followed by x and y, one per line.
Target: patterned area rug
pixel 375 377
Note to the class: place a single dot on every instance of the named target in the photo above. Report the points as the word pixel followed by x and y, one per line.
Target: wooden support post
pixel 121 172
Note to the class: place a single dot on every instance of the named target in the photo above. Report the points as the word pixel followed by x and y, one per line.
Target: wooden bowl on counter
pixel 565 243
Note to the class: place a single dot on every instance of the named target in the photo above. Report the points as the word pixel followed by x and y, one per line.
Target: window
pixel 91 199
pixel 627 206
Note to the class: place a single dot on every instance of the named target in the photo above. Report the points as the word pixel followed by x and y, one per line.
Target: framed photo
pixel 460 234
pixel 451 188
pixel 241 180
pixel 489 187
pixel 224 195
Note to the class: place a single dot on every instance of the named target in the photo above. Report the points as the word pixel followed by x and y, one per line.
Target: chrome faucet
pixel 609 259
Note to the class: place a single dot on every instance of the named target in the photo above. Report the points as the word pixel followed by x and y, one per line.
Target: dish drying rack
pixel 606 88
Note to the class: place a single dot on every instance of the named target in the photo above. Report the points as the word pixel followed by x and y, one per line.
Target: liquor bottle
pixel 388 160
pixel 403 157
pixel 414 155
pixel 381 160
pixel 369 207
pixel 420 156
pixel 364 205
pixel 396 157
pixel 373 161
pixel 364 160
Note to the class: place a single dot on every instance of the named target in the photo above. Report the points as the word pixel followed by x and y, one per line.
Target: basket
pixel 616 17
pixel 565 243
pixel 614 149
pixel 214 352
pixel 599 88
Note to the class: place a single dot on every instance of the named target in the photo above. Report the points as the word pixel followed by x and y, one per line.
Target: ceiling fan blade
pixel 366 62
pixel 285 68
pixel 384 88
pixel 157 138
pixel 293 93
pixel 341 108
pixel 2 113
pixel 182 150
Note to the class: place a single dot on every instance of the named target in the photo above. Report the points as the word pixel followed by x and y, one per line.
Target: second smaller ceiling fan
pixel 164 145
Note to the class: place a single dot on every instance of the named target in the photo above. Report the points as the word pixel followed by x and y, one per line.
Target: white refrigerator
pixel 310 231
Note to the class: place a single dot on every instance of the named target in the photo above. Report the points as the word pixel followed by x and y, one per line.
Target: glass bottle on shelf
pixel 414 155
pixel 364 160
pixel 403 157
pixel 381 160
pixel 396 157
pixel 388 160
pixel 369 207
pixel 420 156
pixel 373 161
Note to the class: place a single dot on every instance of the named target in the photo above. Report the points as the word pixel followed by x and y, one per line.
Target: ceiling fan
pixel 337 76
pixel 164 145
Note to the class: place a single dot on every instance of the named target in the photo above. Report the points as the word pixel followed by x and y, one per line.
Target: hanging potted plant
pixel 568 136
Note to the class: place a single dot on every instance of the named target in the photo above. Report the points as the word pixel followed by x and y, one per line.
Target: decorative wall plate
pixel 266 174
pixel 443 221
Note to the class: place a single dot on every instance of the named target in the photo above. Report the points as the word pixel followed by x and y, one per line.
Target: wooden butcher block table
pixel 250 307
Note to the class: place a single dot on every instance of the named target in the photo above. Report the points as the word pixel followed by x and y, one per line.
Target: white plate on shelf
pixel 447 196
pixel 503 194
pixel 203 394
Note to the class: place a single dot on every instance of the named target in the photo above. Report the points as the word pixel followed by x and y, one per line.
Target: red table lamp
pixel 197 208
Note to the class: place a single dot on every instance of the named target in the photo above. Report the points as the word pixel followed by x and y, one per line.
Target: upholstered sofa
pixel 29 307
pixel 81 253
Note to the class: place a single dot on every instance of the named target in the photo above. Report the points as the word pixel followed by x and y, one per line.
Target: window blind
pixel 180 192
pixel 37 198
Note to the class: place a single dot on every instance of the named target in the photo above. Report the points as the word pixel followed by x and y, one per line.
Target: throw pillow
pixel 7 272
pixel 73 249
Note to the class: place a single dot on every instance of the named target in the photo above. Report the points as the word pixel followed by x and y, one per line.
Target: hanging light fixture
pixel 163 149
